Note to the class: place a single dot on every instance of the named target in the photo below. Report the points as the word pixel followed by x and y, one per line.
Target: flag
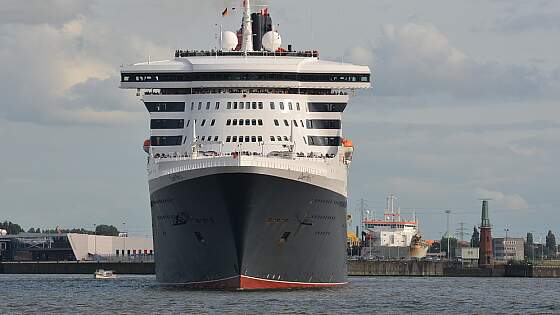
pixel 225 12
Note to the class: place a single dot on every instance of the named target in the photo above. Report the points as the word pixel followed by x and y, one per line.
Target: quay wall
pixel 395 268
pixel 137 268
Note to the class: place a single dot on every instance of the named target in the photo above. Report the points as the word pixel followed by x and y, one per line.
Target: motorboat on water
pixel 104 274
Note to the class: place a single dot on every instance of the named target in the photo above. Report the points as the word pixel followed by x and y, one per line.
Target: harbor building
pixel 468 255
pixel 73 247
pixel 510 248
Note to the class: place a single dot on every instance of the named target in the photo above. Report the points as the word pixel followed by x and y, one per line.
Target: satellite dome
pixel 271 41
pixel 229 40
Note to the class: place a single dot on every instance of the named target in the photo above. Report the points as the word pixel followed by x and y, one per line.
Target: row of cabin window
pixel 175 123
pixel 246 105
pixel 209 138
pixel 246 122
pixel 246 138
pixel 287 123
pixel 180 107
pixel 245 76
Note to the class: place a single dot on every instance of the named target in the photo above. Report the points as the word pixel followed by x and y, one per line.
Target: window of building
pixel 199 105
pixel 228 105
pixel 228 122
pixel 188 123
pixel 297 106
pixel 247 139
pixel 304 140
pixel 203 137
pixel 212 122
pixel 165 107
pixel 217 105
pixel 207 105
pixel 235 122
pixel 260 122
pixel 276 122
pixel 259 139
pixel 192 106
pixel 235 139
pixel 272 105
pixel 234 105
pixel 295 123
pixel 286 123
pixel 253 139
pixel 302 124
pixel 167 124
pixel 286 138
pixel 216 138
pixel 278 138
pixel 254 122
pixel 240 122
pixel 165 140
pixel 290 107
pixel 281 105
pixel 203 122
pixel 247 122
pixel 260 105
pixel 228 138
pixel 272 138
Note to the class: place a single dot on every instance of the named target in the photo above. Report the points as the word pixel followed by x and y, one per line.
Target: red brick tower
pixel 485 258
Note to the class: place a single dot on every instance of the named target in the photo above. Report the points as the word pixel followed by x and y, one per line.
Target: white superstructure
pixel 280 109
pixel 392 230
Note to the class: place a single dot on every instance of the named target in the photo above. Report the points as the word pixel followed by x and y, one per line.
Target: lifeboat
pixel 348 150
pixel 147 145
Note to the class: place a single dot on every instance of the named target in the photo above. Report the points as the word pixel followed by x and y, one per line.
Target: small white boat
pixel 104 274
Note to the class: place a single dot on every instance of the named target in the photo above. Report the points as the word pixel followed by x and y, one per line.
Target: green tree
pixel 551 243
pixel 12 228
pixel 530 247
pixel 530 238
pixel 475 238
pixel 108 230
pixel 452 245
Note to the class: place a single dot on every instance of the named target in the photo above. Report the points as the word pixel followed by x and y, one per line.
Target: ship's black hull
pixel 248 231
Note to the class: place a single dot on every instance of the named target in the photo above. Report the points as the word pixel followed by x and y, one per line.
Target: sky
pixel 464 105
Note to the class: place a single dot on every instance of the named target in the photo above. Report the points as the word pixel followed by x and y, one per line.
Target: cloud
pixel 528 23
pixel 510 202
pixel 55 12
pixel 417 59
pixel 67 73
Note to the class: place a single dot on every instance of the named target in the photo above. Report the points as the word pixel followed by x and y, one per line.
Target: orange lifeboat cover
pixel 147 143
pixel 347 143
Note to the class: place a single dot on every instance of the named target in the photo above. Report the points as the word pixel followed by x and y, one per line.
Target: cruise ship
pixel 247 164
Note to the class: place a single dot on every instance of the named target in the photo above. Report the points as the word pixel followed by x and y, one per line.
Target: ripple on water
pixel 141 294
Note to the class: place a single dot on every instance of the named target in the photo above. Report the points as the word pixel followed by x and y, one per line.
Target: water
pixel 396 295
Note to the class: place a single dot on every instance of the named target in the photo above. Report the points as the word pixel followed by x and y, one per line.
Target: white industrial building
pixel 73 246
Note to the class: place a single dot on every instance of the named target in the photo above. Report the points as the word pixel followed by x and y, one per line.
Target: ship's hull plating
pixel 248 231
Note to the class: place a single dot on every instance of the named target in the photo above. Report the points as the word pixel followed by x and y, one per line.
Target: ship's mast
pixel 247 41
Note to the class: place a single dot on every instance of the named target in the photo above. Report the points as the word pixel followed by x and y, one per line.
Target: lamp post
pixel 95 239
pixel 124 238
pixel 505 244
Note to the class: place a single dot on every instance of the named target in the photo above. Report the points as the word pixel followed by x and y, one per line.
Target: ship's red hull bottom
pixel 251 283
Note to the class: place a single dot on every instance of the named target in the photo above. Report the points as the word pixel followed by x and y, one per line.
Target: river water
pixel 26 294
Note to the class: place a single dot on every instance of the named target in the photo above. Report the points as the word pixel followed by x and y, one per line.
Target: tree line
pixel 102 229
